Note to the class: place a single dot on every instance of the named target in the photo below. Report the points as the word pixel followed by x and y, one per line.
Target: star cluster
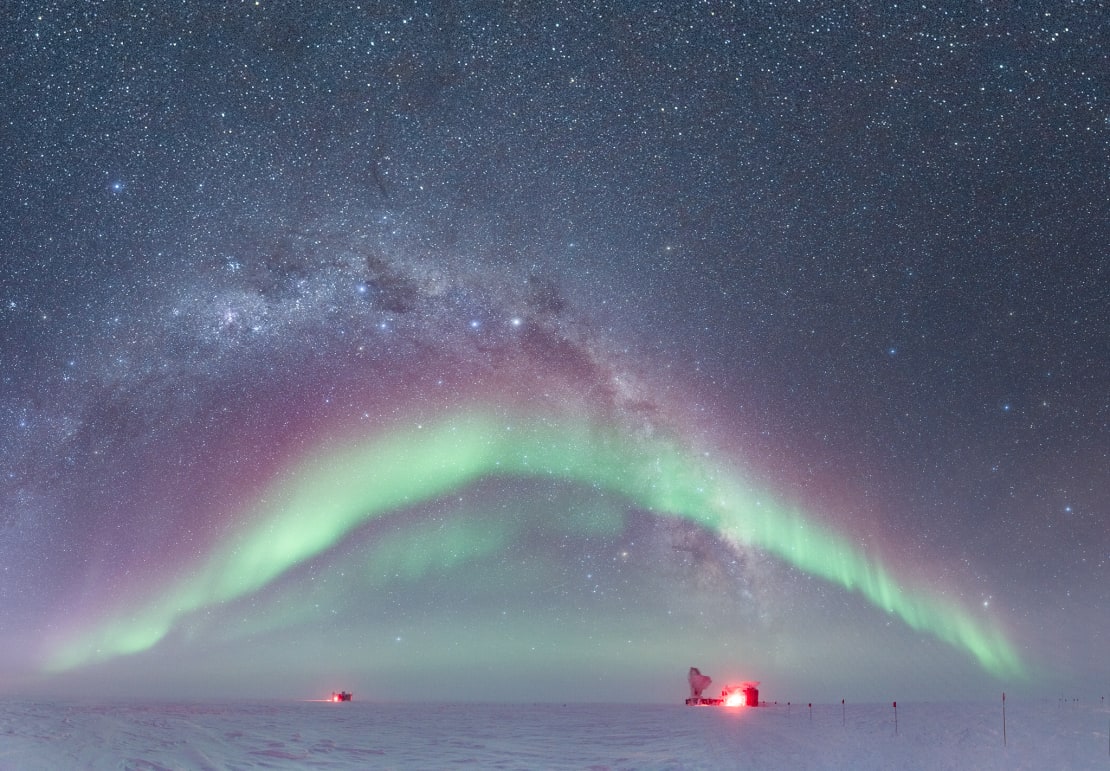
pixel 852 262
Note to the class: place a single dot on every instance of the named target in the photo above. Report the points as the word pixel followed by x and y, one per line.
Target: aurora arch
pixel 335 490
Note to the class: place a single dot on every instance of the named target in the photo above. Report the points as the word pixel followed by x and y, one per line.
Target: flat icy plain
pixel 1050 734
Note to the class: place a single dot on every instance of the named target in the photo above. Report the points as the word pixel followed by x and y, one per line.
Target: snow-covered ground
pixel 365 735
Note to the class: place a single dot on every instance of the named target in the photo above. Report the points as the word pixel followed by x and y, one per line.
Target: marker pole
pixel 1003 718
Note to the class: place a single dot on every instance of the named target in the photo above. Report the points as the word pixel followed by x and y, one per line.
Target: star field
pixel 820 290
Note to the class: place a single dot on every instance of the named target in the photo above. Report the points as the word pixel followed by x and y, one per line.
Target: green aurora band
pixel 331 493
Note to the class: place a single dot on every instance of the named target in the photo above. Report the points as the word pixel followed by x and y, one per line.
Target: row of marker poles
pixel 844 718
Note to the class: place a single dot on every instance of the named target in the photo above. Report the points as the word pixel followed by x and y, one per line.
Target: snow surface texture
pixel 276 735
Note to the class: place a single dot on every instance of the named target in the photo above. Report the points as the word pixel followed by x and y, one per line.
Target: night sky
pixel 541 351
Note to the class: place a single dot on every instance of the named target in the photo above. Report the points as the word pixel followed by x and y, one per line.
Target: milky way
pixel 460 351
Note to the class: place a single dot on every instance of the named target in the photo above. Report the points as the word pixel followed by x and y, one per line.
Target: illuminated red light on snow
pixel 335 697
pixel 735 699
